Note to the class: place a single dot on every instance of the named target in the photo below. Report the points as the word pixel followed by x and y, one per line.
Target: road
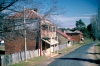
pixel 77 57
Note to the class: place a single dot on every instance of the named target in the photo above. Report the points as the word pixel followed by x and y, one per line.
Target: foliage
pixel 73 29
pixel 62 29
pixel 80 25
pixel 94 26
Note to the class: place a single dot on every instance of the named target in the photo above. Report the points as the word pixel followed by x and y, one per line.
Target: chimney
pixel 36 10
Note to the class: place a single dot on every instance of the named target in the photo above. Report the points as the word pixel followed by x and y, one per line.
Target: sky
pixel 76 9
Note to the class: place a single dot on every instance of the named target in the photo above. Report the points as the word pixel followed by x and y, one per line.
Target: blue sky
pixel 76 9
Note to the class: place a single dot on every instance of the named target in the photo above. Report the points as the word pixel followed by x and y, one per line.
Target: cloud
pixel 64 18
pixel 69 22
pixel 90 14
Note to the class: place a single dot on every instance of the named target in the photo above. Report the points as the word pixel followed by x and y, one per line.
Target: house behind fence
pixel 7 60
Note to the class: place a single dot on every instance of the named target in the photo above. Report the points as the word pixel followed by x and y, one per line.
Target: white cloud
pixel 64 18
pixel 69 22
pixel 90 14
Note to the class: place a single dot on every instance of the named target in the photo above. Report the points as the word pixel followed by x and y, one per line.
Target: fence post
pixel 0 60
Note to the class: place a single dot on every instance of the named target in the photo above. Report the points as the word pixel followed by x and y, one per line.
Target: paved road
pixel 77 57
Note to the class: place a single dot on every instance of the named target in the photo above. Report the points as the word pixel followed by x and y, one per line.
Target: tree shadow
pixel 94 53
pixel 81 59
pixel 98 45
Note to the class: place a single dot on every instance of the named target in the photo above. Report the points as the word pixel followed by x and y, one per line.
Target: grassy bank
pixel 98 47
pixel 31 62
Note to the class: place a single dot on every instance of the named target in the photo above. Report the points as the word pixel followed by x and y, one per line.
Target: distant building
pixel 77 36
pixel 64 38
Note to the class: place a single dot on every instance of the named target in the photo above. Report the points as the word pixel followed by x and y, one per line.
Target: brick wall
pixel 75 36
pixel 17 45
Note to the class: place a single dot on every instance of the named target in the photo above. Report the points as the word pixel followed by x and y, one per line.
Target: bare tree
pixel 14 27
pixel 4 4
pixel 14 6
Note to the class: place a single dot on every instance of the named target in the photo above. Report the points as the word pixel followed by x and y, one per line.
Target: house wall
pixel 50 31
pixel 75 36
pixel 17 45
pixel 62 40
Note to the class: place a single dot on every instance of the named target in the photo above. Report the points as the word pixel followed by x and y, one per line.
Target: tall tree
pixel 80 25
pixel 98 23
pixel 95 25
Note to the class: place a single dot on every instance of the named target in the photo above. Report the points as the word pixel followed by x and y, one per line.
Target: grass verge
pixel 98 47
pixel 31 62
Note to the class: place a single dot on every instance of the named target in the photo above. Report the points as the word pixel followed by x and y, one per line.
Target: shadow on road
pixel 94 53
pixel 98 45
pixel 81 59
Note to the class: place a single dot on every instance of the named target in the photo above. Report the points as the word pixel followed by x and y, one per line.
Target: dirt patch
pixel 91 55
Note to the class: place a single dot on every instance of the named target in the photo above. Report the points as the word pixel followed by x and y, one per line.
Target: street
pixel 77 57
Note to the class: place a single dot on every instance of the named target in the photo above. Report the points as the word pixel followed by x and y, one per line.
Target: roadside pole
pixel 25 38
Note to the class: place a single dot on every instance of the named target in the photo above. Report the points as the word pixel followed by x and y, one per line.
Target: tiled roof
pixel 30 14
pixel 65 35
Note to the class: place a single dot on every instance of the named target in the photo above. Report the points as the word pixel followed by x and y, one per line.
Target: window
pixel 52 28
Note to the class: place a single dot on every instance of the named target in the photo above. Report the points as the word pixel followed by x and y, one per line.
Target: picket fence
pixel 7 60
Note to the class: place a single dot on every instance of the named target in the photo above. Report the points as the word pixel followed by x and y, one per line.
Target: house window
pixel 44 27
pixel 52 28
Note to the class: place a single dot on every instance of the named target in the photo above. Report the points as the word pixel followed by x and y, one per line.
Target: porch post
pixel 57 45
pixel 50 46
pixel 50 50
pixel 54 48
pixel 48 31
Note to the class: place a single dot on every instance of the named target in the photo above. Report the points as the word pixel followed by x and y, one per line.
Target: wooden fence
pixel 7 60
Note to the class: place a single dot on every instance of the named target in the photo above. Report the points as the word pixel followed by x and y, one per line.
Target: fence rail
pixel 7 60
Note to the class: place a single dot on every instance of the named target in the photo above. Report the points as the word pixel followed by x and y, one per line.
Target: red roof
pixel 65 35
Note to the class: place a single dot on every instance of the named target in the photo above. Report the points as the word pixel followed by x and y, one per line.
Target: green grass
pixel 2 48
pixel 98 47
pixel 87 40
pixel 76 45
pixel 21 64
pixel 38 59
pixel 31 62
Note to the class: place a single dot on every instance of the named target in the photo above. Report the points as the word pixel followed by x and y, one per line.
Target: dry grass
pixel 2 48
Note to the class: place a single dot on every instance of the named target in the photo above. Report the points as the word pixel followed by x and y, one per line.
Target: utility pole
pixel 39 36
pixel 25 37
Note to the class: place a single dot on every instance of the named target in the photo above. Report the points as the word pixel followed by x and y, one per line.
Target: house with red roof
pixel 40 33
pixel 77 36
pixel 64 38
